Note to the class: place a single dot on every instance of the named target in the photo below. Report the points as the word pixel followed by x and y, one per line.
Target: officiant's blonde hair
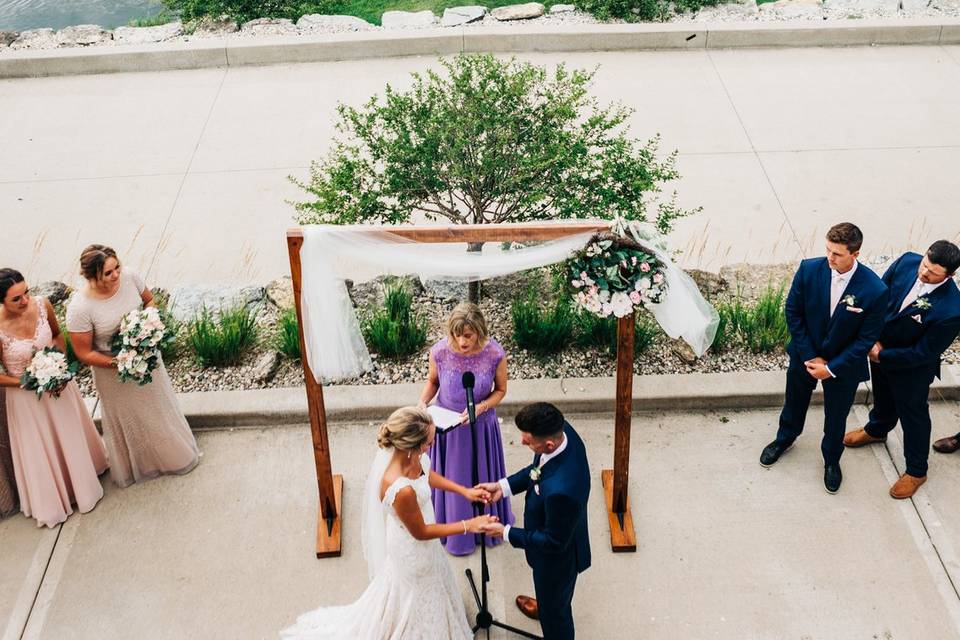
pixel 467 314
pixel 406 428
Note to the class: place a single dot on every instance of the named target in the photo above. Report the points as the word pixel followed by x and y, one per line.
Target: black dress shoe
pixel 772 452
pixel 832 477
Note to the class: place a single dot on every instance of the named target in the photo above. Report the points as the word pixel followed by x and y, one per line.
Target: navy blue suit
pixel 912 341
pixel 842 339
pixel 554 533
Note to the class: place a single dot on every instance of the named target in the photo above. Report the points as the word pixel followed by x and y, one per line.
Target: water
pixel 18 15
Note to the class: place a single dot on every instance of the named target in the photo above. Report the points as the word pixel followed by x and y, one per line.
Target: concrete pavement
pixel 727 549
pixel 185 172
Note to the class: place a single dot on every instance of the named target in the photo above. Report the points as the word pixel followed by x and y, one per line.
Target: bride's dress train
pixel 412 594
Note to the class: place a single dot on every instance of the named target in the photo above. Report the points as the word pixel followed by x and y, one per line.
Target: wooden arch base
pixel 330 487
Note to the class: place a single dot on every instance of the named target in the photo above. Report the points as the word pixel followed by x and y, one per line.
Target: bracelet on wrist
pixel 464 523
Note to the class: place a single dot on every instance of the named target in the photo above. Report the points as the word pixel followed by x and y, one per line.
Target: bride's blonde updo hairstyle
pixel 407 428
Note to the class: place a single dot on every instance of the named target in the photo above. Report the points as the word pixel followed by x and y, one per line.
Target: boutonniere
pixel 850 300
pixel 923 303
pixel 535 479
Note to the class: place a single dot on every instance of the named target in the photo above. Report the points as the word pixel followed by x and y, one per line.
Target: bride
pixel 412 593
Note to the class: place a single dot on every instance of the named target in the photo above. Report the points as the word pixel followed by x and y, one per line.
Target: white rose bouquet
pixel 137 345
pixel 614 275
pixel 49 371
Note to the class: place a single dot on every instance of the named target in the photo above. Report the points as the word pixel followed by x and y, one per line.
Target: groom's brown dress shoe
pixel 528 607
pixel 906 486
pixel 860 437
pixel 947 445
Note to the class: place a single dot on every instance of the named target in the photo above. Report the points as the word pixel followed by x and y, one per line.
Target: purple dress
pixel 452 451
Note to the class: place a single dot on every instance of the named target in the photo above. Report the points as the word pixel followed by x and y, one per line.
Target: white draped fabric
pixel 330 254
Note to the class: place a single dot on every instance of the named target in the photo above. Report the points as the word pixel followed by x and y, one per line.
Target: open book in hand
pixel 443 418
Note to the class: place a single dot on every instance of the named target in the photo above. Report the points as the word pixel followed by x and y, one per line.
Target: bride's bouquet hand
pixel 480 524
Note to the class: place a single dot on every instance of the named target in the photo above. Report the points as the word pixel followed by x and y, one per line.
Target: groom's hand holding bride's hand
pixel 493 489
pixel 477 494
pixel 494 529
pixel 480 524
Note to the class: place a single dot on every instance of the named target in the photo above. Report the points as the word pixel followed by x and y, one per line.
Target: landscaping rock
pixel 365 294
pixel 793 8
pixel 210 27
pixel 562 8
pixel 266 367
pixel 518 11
pixel 36 39
pixel 860 6
pixel 83 35
pixel 55 292
pixel 455 16
pixel 710 284
pixel 683 351
pixel 445 290
pixel 7 38
pixel 280 292
pixel 912 5
pixel 144 35
pixel 407 19
pixel 269 27
pixel 317 23
pixel 946 5
pixel 729 11
pixel 186 302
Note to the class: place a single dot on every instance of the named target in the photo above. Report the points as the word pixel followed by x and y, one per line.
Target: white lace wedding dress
pixel 412 594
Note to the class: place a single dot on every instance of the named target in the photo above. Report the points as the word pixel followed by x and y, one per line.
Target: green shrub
pixel 222 341
pixel 642 10
pixel 760 326
pixel 287 341
pixel 394 330
pixel 241 10
pixel 542 331
pixel 601 333
pixel 152 21
pixel 161 299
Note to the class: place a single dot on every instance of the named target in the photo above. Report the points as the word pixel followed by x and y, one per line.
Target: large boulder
pixel 53 291
pixel 518 11
pixel 710 284
pixel 456 16
pixel 266 367
pixel 366 294
pixel 317 23
pixel 563 8
pixel 144 35
pixel 7 38
pixel 280 292
pixel 187 301
pixel 36 39
pixel 408 19
pixel 269 27
pixel 83 35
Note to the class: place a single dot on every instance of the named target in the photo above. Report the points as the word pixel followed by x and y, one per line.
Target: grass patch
pixel 153 21
pixel 287 340
pixel 538 329
pixel 222 341
pixel 394 330
pixel 601 333
pixel 760 326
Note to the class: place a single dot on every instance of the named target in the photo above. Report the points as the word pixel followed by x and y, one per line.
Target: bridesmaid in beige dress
pixel 56 451
pixel 143 426
pixel 8 485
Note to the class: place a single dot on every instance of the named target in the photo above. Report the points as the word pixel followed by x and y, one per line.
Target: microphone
pixel 468 381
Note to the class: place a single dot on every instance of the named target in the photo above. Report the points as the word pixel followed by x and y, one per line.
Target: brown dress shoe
pixel 528 607
pixel 860 437
pixel 906 486
pixel 947 445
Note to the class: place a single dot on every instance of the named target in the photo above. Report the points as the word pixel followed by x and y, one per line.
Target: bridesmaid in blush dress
pixel 467 347
pixel 56 451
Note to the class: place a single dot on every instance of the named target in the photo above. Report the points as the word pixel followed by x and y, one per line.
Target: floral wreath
pixel 615 275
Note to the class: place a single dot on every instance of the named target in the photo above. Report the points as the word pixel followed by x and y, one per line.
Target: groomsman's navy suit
pixel 842 339
pixel 913 340
pixel 554 533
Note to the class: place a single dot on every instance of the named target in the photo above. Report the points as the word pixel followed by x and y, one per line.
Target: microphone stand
pixel 484 619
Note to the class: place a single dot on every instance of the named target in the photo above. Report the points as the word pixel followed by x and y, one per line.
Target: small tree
pixel 489 141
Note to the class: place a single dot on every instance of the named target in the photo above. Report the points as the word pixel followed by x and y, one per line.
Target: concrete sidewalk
pixel 727 549
pixel 185 172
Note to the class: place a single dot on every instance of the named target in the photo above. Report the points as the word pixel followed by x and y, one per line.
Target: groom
pixel 554 536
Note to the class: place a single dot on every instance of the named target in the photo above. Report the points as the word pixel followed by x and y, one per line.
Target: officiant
pixel 467 347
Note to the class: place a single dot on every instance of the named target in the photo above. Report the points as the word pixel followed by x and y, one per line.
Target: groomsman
pixel 835 313
pixel 923 319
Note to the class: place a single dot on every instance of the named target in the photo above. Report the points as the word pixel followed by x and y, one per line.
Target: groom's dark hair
pixel 540 419
pixel 946 254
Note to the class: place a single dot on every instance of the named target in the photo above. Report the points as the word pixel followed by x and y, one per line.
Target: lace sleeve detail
pixel 394 489
pixel 438 350
pixel 497 352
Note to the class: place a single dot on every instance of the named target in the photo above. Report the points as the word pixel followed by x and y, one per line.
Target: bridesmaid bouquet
pixel 48 371
pixel 137 345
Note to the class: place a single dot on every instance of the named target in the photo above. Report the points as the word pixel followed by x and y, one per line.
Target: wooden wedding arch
pixel 330 486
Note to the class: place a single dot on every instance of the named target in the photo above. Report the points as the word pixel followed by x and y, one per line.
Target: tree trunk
pixel 473 288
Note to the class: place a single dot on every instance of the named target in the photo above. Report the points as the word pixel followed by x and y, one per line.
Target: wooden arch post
pixel 330 487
